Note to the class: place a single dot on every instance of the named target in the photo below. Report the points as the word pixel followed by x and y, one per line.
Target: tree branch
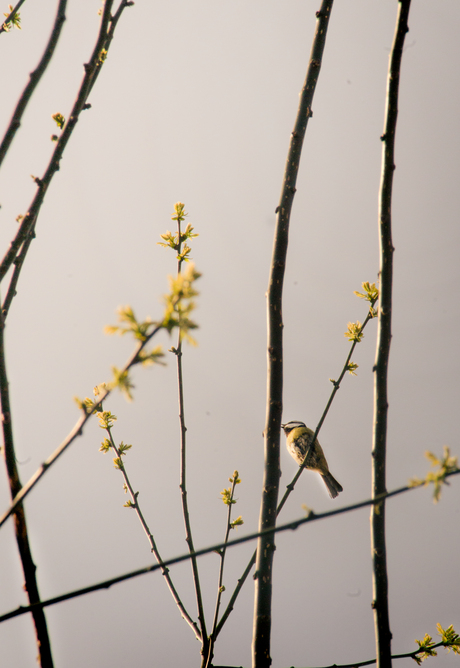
pixel 290 526
pixel 10 16
pixel 76 431
pixel 20 525
pixel 92 70
pixel 35 77
pixel 183 458
pixel 407 655
pixel 290 487
pixel 378 544
pixel 336 383
pixel 266 545
pixel 220 588
pixel 153 546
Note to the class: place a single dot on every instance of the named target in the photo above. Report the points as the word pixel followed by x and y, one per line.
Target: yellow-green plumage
pixel 298 438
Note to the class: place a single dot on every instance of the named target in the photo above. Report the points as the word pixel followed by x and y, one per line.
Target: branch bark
pixel 378 543
pixel 267 520
pixel 291 526
pixel 20 526
pixel 135 504
pixel 290 486
pixel 26 231
pixel 35 77
pixel 183 478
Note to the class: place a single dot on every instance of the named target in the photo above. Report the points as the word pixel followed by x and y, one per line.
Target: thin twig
pixel 290 526
pixel 35 77
pixel 220 588
pixel 92 70
pixel 20 524
pixel 408 655
pixel 10 16
pixel 183 470
pixel 266 546
pixel 290 487
pixel 378 543
pixel 369 662
pixel 76 431
pixel 18 262
pixel 164 570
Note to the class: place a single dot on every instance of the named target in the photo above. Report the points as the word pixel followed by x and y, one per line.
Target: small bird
pixel 298 438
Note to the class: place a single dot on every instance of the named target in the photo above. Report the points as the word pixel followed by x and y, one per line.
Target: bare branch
pixel 92 70
pixel 35 77
pixel 20 524
pixel 378 544
pixel 180 215
pixel 266 545
pixel 76 431
pixel 290 487
pixel 291 526
pixel 153 546
pixel 230 493
pixel 336 384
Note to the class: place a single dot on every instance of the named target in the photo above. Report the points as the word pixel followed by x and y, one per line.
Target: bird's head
pixel 294 424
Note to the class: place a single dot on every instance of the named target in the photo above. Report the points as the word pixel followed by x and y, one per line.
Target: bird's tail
pixel 333 487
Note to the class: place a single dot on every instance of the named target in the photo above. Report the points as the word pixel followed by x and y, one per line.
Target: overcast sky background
pixel 196 103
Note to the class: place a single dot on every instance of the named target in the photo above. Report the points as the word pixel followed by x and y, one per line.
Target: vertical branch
pixel 380 576
pixel 92 70
pixel 20 526
pixel 26 232
pixel 291 485
pixel 35 77
pixel 267 519
pixel 183 459
pixel 229 500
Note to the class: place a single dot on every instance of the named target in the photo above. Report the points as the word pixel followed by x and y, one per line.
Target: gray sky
pixel 196 103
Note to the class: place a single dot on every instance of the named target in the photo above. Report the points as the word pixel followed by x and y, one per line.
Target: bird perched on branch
pixel 298 440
